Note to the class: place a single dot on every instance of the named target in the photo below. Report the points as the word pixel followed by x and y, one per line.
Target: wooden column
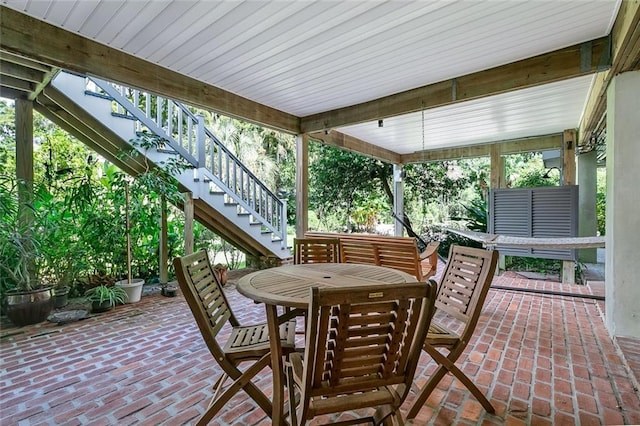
pixel 24 172
pixel 24 157
pixel 569 178
pixel 302 185
pixel 188 223
pixel 163 261
pixel 569 157
pixel 497 167
pixel 497 181
pixel 398 198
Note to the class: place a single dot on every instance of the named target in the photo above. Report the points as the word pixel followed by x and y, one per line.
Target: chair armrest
pixel 430 250
pixel 429 259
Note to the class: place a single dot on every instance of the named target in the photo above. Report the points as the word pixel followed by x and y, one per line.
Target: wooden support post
pixel 569 157
pixel 188 223
pixel 163 261
pixel 24 158
pixel 302 185
pixel 24 171
pixel 568 272
pixel 398 199
pixel 497 181
pixel 569 141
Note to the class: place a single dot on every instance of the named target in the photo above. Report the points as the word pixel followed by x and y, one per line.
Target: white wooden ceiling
pixel 306 57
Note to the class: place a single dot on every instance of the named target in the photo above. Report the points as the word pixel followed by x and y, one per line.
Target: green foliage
pixel 601 200
pixel 527 170
pixel 546 266
pixel 19 245
pixel 477 216
pixel 102 293
pixel 79 206
pixel 340 181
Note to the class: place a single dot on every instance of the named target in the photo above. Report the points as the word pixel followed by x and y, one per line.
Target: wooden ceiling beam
pixel 9 93
pixel 28 37
pixel 574 61
pixel 16 83
pixel 349 143
pixel 512 146
pixel 19 60
pixel 21 72
pixel 625 46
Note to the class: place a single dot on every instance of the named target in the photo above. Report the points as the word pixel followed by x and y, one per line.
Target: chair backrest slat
pixel 465 283
pixel 358 252
pixel 205 297
pixel 315 250
pixel 365 337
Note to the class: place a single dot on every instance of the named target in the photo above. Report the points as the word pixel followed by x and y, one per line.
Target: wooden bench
pixel 399 253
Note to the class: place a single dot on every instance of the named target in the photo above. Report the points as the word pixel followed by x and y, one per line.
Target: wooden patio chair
pixel 211 310
pixel 358 252
pixel 461 294
pixel 315 250
pixel 361 351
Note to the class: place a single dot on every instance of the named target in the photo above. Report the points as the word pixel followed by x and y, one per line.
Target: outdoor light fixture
pixel 380 123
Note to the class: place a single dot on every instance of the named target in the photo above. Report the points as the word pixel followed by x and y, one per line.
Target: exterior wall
pixel 623 206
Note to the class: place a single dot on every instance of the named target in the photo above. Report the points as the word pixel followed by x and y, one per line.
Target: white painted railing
pixel 188 137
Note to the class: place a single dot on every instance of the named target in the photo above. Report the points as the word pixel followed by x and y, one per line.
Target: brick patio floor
pixel 540 359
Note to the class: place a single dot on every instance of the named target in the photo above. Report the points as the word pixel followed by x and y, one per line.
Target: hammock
pixel 492 240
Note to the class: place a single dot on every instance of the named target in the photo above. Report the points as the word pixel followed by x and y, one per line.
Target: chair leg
pixel 386 416
pixel 426 391
pixel 292 396
pixel 242 382
pixel 217 387
pixel 471 386
pixel 446 365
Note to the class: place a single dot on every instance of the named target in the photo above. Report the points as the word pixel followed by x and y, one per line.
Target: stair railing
pixel 188 137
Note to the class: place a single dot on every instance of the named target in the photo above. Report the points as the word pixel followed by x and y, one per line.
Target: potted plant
pixel 26 300
pixel 155 179
pixel 132 286
pixel 104 298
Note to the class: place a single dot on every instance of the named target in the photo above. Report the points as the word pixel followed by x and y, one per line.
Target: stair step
pixel 127 116
pixel 166 151
pixel 231 204
pixel 98 95
pixel 217 192
pixel 255 224
pixel 244 214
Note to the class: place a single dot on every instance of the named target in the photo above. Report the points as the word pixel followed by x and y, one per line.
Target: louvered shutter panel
pixel 535 212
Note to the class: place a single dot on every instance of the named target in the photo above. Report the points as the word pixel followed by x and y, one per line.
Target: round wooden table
pixel 289 286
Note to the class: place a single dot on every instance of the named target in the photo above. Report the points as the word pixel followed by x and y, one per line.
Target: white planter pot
pixel 133 289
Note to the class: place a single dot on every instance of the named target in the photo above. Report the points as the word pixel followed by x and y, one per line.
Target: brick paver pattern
pixel 540 359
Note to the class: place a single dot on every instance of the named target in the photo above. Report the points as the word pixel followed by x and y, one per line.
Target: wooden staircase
pixel 228 198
